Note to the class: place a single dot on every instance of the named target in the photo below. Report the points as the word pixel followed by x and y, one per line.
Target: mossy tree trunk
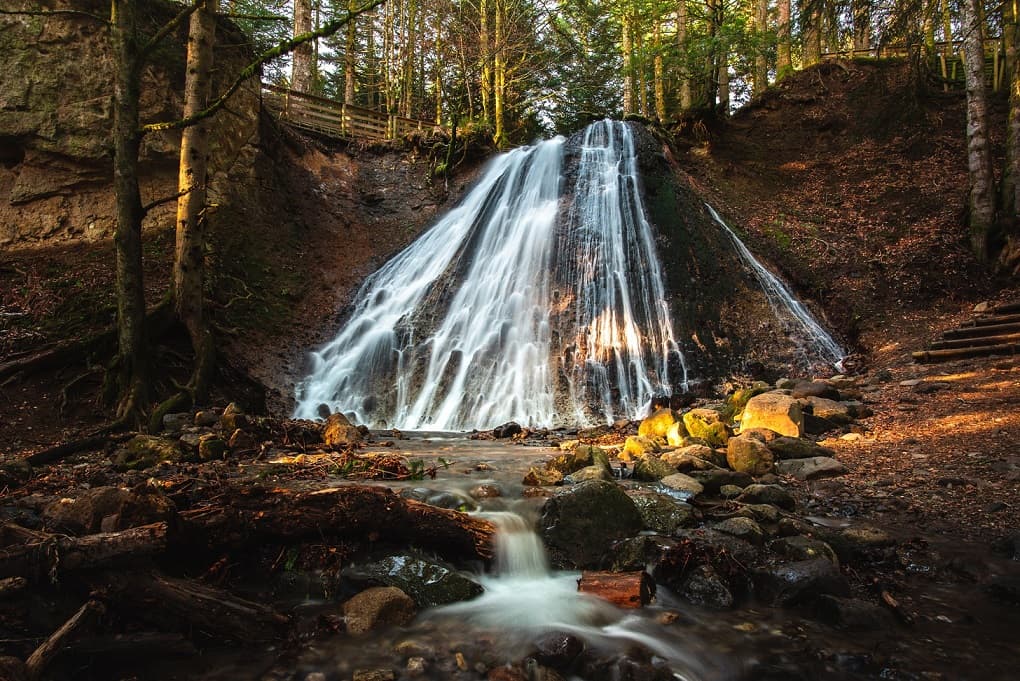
pixel 132 367
pixel 189 267
pixel 784 47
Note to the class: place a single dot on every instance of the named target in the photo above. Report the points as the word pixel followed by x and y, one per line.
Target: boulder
pixel 658 424
pixel 539 477
pixel 774 411
pixel 676 435
pixel 211 447
pixel 811 468
pixel 206 418
pixel 664 514
pixel 742 528
pixel 801 581
pixel 652 468
pixel 107 509
pixel 233 417
pixel 338 432
pixel 507 430
pixel 768 494
pixel 579 524
pixel 707 425
pixel 377 607
pixel 637 447
pixel 748 455
pixel 558 649
pixel 814 389
pixel 797 448
pixel 799 547
pixel 850 614
pixel 573 460
pixel 705 588
pixel 176 422
pixel 145 451
pixel 594 472
pixel 830 410
pixel 681 486
pixel 691 458
pixel 714 479
pixel 760 513
pixel 636 553
pixel 428 582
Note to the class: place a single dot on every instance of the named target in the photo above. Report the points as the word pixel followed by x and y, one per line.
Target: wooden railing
pixel 946 59
pixel 338 119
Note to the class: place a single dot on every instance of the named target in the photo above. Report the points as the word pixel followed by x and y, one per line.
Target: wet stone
pixel 850 614
pixel 663 513
pixel 799 547
pixel 762 513
pixel 680 486
pixel 768 494
pixel 706 588
pixel 558 649
pixel 713 480
pixel 429 583
pixel 652 468
pixel 580 523
pixel 742 528
pixel 801 581
pixel 594 472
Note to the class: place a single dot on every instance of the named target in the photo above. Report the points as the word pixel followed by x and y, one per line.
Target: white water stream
pixel 800 323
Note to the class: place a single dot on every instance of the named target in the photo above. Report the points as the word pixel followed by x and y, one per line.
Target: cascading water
pixel 623 338
pixel 463 330
pixel 812 336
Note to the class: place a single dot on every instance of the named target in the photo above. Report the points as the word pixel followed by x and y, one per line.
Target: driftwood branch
pixel 51 647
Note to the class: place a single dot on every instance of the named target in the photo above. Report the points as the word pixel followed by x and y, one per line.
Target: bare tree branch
pixel 257 17
pixel 170 27
pixel 287 46
pixel 167 199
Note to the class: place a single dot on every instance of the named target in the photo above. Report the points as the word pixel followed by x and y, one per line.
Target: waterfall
pixel 463 329
pixel 799 321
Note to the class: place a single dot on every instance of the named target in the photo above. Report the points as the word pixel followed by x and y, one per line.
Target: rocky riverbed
pixel 793 531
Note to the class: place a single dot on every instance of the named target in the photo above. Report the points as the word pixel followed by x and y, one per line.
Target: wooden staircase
pixel 993 332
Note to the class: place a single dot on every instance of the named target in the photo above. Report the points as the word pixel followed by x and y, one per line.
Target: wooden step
pixel 931 356
pixel 981 341
pixel 978 331
pixel 989 319
pixel 1007 308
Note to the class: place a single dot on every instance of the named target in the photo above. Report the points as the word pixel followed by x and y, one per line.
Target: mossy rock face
pixel 145 451
pixel 707 425
pixel 737 400
pixel 211 448
pixel 747 455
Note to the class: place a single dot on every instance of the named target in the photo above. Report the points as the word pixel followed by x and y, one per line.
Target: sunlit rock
pixel 748 455
pixel 830 410
pixel 651 468
pixel 637 447
pixel 775 411
pixel 694 457
pixel 339 432
pixel 658 424
pixel 539 477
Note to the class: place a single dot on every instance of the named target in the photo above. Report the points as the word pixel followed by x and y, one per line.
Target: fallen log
pixel 38 555
pixel 51 647
pixel 65 449
pixel 121 647
pixel 622 589
pixel 930 356
pixel 172 604
pixel 359 511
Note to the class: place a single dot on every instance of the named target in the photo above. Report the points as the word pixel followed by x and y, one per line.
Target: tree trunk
pixel 189 254
pixel 628 66
pixel 686 99
pixel 724 82
pixel 622 589
pixel 486 58
pixel 812 30
pixel 131 359
pixel 349 47
pixel 862 24
pixel 979 158
pixel 499 72
pixel 784 61
pixel 301 76
pixel 659 77
pixel 761 62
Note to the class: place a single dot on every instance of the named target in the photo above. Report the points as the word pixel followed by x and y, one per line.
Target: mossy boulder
pixel 707 425
pixel 145 451
pixel 652 468
pixel 580 524
pixel 570 461
pixel 663 514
